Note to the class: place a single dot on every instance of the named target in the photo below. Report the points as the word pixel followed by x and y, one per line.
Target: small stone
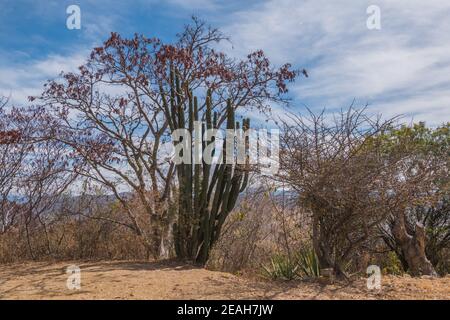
pixel 324 280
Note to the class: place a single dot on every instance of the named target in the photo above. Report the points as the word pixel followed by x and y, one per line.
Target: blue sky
pixel 404 68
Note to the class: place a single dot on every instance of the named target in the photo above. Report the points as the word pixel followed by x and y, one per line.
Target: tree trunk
pixel 413 247
pixel 323 264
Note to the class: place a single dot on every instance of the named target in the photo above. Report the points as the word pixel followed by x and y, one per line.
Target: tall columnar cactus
pixel 207 192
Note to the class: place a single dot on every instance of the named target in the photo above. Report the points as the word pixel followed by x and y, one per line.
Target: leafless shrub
pixel 265 223
pixel 339 174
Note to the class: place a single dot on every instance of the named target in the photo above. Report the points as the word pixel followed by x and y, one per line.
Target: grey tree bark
pixel 413 247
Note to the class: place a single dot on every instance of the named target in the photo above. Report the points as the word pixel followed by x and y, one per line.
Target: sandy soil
pixel 169 280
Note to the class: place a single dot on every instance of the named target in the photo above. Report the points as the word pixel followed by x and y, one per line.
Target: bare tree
pixel 35 171
pixel 13 151
pixel 336 166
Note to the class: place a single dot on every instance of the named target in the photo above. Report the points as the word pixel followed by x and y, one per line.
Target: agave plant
pixel 308 263
pixel 281 268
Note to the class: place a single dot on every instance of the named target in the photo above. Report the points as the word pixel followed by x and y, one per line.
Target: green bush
pixel 393 264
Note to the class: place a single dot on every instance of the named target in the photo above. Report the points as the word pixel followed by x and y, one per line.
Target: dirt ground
pixel 170 280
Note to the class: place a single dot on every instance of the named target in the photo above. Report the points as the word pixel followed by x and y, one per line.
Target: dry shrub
pixel 265 223
pixel 65 235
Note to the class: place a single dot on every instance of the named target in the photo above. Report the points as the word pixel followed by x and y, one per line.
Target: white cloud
pixel 24 80
pixel 403 68
pixel 194 4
